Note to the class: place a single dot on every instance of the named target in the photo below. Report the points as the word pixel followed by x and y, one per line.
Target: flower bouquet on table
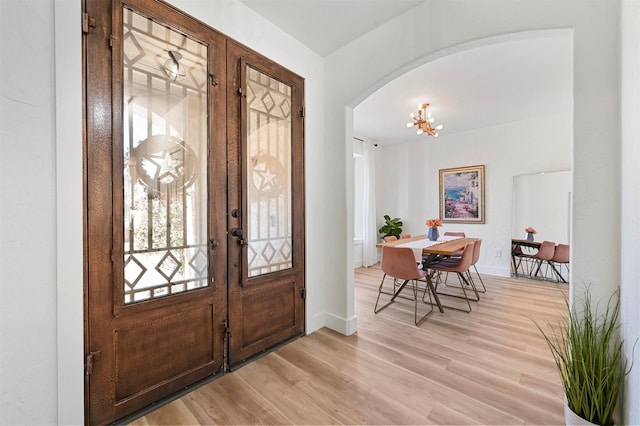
pixel 433 229
pixel 530 231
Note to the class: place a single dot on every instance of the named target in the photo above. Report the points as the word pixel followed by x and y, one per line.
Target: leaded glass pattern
pixel 269 137
pixel 165 154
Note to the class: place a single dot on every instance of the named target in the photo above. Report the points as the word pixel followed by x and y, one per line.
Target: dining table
pixel 428 251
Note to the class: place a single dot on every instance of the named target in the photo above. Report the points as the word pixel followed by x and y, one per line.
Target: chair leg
pixel 558 274
pixel 415 298
pixel 484 289
pixel 463 282
pixel 393 298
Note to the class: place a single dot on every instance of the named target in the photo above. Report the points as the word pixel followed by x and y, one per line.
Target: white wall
pixel 410 187
pixel 630 230
pixel 28 371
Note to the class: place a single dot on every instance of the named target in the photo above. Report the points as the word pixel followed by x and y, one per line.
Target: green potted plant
pixel 391 227
pixel 587 350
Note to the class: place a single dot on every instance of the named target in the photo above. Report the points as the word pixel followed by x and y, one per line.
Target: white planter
pixel 572 419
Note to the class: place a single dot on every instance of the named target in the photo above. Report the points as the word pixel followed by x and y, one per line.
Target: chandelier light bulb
pixel 422 120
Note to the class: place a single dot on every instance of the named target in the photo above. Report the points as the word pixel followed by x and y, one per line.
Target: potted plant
pixel 391 227
pixel 587 350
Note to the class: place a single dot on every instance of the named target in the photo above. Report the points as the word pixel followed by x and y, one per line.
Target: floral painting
pixel 462 194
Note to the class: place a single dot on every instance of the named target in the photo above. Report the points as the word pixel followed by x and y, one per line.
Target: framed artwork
pixel 462 194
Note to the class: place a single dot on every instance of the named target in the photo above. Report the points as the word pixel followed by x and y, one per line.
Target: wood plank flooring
pixel 490 366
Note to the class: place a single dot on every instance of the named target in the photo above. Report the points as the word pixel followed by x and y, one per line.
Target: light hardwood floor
pixel 490 366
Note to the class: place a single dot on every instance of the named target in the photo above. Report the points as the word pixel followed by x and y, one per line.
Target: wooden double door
pixel 194 220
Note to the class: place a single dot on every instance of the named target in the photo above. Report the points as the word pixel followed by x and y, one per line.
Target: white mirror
pixel 542 201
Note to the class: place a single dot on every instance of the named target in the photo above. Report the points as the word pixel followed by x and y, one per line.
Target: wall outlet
pixel 498 253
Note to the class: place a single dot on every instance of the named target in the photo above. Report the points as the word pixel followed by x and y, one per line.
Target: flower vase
pixel 529 236
pixel 433 234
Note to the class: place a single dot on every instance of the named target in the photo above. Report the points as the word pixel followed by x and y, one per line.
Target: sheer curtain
pixel 370 237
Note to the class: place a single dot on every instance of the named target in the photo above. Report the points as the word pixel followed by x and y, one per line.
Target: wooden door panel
pixel 270 312
pixel 156 304
pixel 266 186
pixel 180 335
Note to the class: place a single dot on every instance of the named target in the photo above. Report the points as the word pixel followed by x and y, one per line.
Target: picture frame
pixel 462 194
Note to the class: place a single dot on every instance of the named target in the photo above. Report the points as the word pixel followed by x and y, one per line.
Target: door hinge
pixel 213 244
pixel 303 293
pixel 213 80
pixel 241 92
pixel 88 362
pixel 88 22
pixel 302 111
pixel 112 40
pixel 113 256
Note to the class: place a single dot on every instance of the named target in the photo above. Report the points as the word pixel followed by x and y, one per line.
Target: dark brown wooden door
pixel 156 205
pixel 194 236
pixel 266 201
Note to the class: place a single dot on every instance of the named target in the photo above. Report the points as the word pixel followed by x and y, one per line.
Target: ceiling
pixel 494 84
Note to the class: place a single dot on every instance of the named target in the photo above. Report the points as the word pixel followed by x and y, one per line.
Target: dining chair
pixel 521 259
pixel 405 236
pixel 560 257
pixel 455 234
pixel 460 266
pixel 544 255
pixel 390 238
pixel 456 254
pixel 400 263
pixel 474 260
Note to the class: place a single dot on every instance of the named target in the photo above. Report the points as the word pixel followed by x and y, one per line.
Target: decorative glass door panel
pixel 165 160
pixel 269 136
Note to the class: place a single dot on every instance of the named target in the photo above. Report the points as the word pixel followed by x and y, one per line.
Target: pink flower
pixel 432 223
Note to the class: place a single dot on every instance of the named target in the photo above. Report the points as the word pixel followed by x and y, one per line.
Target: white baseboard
pixel 341 325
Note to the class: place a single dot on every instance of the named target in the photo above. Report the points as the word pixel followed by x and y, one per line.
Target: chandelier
pixel 423 120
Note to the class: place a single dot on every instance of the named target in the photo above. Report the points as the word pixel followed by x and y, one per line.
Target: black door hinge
pixel 213 244
pixel 241 92
pixel 303 292
pixel 88 22
pixel 88 362
pixel 213 80
pixel 302 111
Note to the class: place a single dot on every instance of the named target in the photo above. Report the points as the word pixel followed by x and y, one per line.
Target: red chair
pixel 460 266
pixel 390 238
pixel 405 236
pixel 476 257
pixel 400 263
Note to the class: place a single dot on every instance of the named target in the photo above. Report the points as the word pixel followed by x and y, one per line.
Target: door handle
pixel 237 232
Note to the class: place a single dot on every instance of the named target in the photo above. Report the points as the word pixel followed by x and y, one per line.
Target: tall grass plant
pixel 587 350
